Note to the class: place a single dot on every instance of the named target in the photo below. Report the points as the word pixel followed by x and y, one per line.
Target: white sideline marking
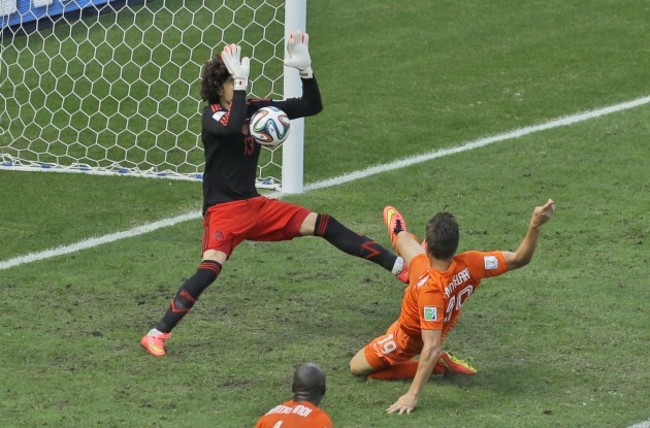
pixel 644 424
pixel 94 242
pixel 335 181
pixel 556 123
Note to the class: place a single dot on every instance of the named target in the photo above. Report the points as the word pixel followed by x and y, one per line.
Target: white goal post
pixel 117 92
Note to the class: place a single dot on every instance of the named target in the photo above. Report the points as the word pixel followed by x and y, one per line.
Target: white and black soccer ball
pixel 269 126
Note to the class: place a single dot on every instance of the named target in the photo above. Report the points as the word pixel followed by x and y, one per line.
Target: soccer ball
pixel 269 126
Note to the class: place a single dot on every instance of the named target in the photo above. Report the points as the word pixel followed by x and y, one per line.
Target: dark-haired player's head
pixel 442 235
pixel 214 77
pixel 308 383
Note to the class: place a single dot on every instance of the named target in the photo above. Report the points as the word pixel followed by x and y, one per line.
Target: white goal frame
pixel 29 141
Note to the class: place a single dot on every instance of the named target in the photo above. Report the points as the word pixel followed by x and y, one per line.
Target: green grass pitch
pixel 560 343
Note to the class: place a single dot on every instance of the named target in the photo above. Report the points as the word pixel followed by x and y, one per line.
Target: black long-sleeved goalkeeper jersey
pixel 231 154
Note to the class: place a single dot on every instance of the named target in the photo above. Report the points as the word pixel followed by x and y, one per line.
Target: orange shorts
pixel 398 345
pixel 226 225
pixel 392 348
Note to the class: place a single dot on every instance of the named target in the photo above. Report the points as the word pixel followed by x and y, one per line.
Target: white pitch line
pixel 556 123
pixel 644 424
pixel 335 181
pixel 95 242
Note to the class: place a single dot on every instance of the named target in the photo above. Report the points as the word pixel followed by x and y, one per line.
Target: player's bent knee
pixel 215 255
pixel 353 369
pixel 358 371
pixel 308 226
pixel 359 365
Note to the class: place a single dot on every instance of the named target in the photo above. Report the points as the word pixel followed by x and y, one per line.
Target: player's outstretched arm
pixel 524 253
pixel 298 54
pixel 430 352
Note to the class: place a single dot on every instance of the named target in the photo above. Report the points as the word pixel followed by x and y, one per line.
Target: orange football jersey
pixel 292 414
pixel 433 301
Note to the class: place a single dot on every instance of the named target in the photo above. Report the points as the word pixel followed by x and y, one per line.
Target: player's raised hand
pixel 298 54
pixel 542 214
pixel 240 68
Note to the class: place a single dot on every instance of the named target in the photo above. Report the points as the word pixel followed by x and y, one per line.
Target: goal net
pixel 118 91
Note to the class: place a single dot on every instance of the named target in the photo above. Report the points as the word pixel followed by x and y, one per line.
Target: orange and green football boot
pixel 448 364
pixel 155 345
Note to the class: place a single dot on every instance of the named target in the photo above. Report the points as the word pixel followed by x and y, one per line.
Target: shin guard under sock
pixel 405 370
pixel 352 243
pixel 187 295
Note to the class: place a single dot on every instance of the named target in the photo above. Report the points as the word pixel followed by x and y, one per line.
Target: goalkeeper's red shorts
pixel 226 225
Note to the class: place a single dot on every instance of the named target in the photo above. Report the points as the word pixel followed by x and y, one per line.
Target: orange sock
pixel 401 371
pixel 404 371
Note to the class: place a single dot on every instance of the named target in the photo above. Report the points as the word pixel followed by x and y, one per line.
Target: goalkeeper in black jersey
pixel 233 210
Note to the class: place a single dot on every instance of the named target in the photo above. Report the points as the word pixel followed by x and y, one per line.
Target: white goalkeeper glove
pixel 298 54
pixel 240 69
